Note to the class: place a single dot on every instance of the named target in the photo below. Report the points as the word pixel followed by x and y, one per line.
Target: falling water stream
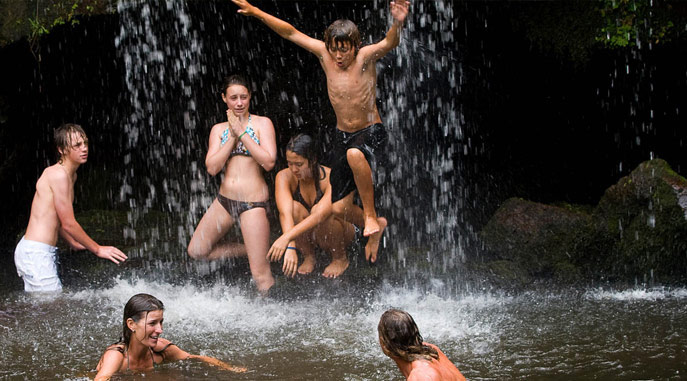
pixel 173 54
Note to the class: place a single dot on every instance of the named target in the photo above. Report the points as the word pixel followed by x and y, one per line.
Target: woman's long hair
pixel 303 145
pixel 401 338
pixel 136 308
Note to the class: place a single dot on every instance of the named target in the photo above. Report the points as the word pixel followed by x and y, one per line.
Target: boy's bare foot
pixel 307 266
pixel 336 268
pixel 373 242
pixel 372 226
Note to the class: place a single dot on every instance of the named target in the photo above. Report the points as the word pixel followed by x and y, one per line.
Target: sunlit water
pixel 602 334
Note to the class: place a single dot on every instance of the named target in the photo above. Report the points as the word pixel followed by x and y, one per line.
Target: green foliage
pixel 34 19
pixel 633 22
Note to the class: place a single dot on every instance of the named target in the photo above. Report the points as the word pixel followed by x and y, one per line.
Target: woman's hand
pixel 278 248
pixel 290 262
pixel 235 127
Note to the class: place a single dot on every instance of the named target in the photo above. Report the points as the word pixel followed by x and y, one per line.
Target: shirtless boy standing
pixel 52 213
pixel 351 84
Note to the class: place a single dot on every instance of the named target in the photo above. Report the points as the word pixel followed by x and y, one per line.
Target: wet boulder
pixel 636 233
pixel 527 240
pixel 645 215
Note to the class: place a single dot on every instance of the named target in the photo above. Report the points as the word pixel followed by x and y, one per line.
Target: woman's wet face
pixel 148 329
pixel 237 98
pixel 298 165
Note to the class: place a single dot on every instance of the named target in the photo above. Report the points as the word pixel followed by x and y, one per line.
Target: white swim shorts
pixel 35 263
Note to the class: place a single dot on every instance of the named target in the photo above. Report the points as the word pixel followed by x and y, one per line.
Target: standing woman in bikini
pixel 243 147
pixel 141 348
pixel 303 196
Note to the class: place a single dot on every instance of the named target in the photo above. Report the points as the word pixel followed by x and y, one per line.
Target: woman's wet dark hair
pixel 303 145
pixel 340 32
pixel 234 79
pixel 401 338
pixel 137 308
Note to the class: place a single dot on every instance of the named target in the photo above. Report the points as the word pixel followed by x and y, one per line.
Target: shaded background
pixel 541 109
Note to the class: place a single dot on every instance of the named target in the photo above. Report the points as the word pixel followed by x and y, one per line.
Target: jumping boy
pixel 351 84
pixel 52 213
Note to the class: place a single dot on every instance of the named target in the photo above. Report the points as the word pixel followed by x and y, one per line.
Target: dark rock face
pixel 644 216
pixel 638 232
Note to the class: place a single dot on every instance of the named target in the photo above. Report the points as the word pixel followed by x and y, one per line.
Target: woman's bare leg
pixel 256 234
pixel 304 242
pixel 206 240
pixel 334 235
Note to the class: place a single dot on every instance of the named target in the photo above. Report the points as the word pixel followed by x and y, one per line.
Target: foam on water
pixel 651 294
pixel 348 323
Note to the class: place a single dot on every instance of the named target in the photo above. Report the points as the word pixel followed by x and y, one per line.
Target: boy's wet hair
pixel 136 308
pixel 401 338
pixel 235 79
pixel 340 32
pixel 63 137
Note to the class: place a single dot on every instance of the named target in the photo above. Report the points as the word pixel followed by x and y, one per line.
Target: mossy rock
pixel 644 213
pixel 543 239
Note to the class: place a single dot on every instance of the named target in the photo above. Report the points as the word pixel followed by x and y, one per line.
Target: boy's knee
pixel 354 155
pixel 195 252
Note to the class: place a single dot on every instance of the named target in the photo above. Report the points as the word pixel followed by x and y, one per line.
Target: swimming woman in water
pixel 244 146
pixel 305 212
pixel 141 348
pixel 400 339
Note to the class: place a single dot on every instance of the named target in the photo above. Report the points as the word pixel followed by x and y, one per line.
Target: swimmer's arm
pixel 62 199
pixel 264 153
pixel 74 244
pixel 109 365
pixel 218 363
pixel 174 353
pixel 282 28
pixel 399 11
pixel 218 153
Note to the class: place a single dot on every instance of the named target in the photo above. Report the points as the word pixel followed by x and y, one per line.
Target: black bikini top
pixel 297 196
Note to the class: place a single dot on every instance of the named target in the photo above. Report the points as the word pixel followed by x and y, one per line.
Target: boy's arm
pixel 284 29
pixel 399 11
pixel 74 244
pixel 60 185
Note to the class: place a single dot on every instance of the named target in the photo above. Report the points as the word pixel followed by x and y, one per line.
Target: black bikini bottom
pixel 236 208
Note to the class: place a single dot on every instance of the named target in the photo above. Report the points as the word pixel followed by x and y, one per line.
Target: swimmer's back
pixel 442 369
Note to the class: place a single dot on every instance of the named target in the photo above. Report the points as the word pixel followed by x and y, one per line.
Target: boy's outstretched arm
pixel 399 12
pixel 282 28
pixel 59 183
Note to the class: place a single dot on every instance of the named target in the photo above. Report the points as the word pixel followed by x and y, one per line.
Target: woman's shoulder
pixel 161 345
pixel 113 357
pixel 220 125
pixel 117 347
pixel 286 177
pixel 259 120
pixel 325 180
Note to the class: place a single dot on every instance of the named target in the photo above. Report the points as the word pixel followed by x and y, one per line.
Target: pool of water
pixel 328 331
